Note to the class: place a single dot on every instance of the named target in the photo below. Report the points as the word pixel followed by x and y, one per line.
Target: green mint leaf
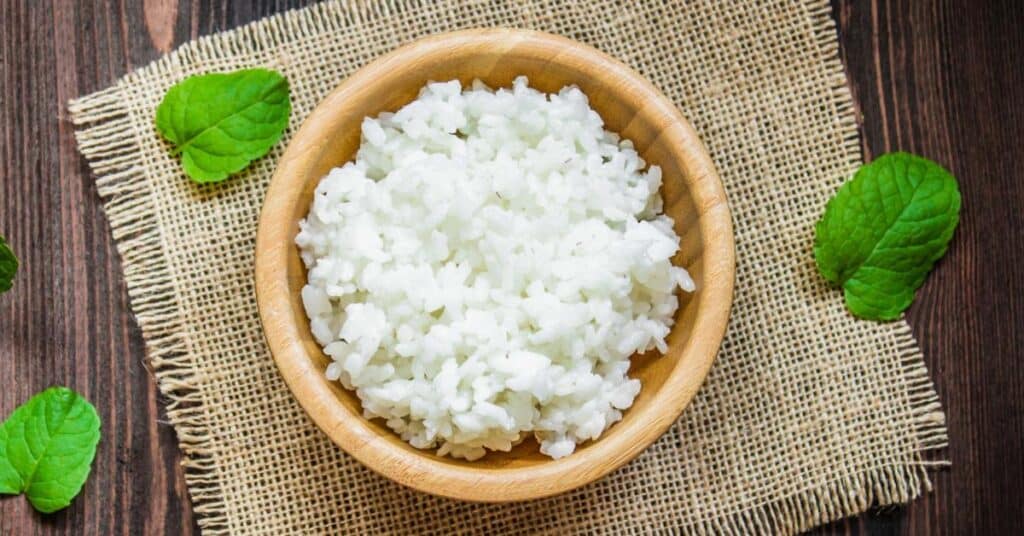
pixel 47 446
pixel 8 265
pixel 883 231
pixel 221 122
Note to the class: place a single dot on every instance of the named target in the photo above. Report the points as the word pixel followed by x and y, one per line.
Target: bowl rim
pixel 353 433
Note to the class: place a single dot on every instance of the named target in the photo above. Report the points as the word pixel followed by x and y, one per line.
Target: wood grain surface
pixel 942 78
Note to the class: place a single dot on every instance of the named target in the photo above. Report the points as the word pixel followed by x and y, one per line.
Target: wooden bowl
pixel 630 106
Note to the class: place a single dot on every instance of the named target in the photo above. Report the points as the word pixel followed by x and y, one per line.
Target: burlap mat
pixel 808 415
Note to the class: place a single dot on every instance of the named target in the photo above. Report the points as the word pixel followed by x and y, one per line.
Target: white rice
pixel 486 267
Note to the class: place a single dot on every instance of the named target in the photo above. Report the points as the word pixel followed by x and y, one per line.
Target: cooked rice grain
pixel 486 267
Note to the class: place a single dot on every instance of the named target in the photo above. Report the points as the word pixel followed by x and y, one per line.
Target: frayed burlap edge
pixel 111 149
pixel 110 144
pixel 886 484
pixel 106 138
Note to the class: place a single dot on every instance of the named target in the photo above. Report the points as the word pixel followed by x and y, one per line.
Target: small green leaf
pixel 883 231
pixel 219 122
pixel 8 265
pixel 47 446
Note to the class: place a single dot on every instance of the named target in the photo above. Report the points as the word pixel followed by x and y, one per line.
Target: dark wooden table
pixel 944 79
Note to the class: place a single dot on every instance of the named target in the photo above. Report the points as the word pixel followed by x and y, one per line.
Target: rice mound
pixel 486 267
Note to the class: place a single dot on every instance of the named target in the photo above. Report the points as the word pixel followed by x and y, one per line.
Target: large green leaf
pixel 47 446
pixel 221 122
pixel 883 231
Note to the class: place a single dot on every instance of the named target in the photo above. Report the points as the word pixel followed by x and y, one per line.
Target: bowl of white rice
pixel 495 265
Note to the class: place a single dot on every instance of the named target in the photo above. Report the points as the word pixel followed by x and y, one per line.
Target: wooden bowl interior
pixel 629 106
pixel 498 69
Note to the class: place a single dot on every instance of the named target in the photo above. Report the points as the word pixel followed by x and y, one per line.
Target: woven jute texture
pixel 808 415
